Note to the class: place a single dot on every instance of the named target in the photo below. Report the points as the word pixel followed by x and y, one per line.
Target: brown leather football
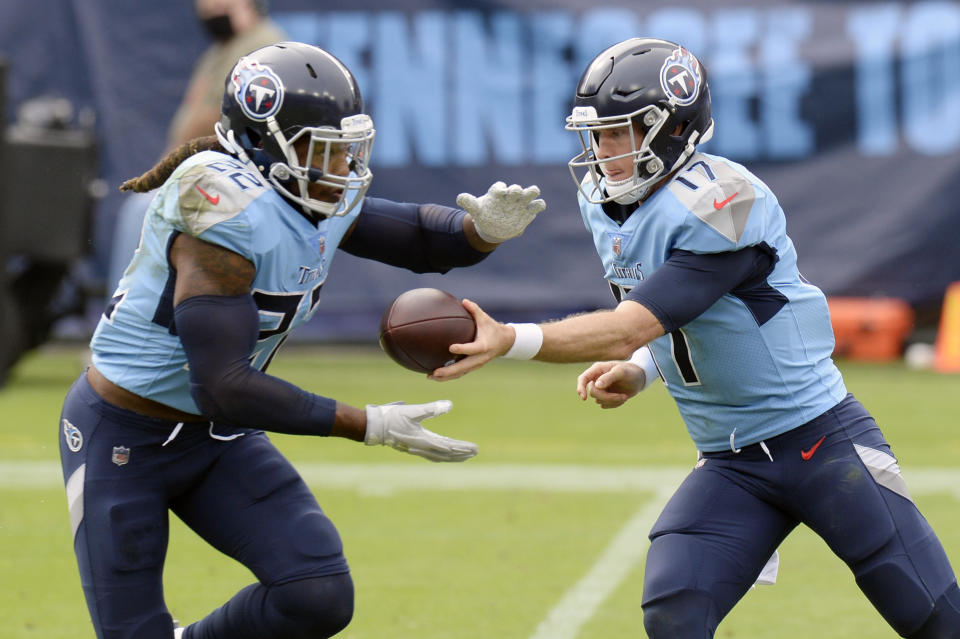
pixel 417 329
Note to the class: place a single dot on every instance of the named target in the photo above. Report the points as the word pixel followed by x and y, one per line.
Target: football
pixel 418 327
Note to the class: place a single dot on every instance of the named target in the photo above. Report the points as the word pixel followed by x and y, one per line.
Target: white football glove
pixel 398 425
pixel 504 211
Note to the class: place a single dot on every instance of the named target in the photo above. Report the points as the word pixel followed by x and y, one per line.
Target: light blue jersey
pixel 218 199
pixel 738 376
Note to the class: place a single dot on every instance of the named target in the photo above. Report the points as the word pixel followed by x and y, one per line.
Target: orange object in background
pixel 947 359
pixel 868 328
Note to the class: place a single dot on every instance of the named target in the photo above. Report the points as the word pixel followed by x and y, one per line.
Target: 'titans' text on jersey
pixel 215 198
pixel 756 363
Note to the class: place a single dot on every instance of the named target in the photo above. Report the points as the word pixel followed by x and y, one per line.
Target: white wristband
pixel 527 343
pixel 643 358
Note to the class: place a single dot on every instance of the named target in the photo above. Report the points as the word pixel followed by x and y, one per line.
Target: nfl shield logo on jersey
pixel 121 455
pixel 616 241
pixel 320 241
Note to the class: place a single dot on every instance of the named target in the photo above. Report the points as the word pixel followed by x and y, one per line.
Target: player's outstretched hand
pixel 503 212
pixel 398 426
pixel 493 339
pixel 611 384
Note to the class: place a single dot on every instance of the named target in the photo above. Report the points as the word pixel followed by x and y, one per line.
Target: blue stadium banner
pixel 850 111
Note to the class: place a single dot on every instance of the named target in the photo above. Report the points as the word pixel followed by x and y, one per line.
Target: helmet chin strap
pixel 625 191
pixel 631 189
pixel 280 176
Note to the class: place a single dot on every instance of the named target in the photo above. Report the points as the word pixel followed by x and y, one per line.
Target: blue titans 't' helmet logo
pixel 680 77
pixel 257 89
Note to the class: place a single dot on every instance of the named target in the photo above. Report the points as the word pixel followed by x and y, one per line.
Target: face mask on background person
pixel 219 27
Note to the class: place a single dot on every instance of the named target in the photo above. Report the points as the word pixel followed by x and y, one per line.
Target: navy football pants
pixel 836 475
pixel 241 495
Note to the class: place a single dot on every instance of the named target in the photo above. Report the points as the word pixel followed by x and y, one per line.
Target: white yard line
pixel 396 477
pixel 26 475
pixel 624 553
pixel 393 477
pixel 578 605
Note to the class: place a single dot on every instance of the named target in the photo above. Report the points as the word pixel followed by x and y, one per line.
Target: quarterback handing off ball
pixel 418 327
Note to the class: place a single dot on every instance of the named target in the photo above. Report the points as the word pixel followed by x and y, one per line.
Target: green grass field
pixel 542 536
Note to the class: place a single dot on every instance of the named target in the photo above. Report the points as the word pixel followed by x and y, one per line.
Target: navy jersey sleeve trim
pixel 424 238
pixel 759 296
pixel 218 334
pixel 689 283
pixel 163 315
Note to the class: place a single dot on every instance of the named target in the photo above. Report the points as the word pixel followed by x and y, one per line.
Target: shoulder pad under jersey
pixel 208 196
pixel 717 194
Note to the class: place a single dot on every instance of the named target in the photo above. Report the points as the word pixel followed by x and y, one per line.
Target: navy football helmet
pixel 293 94
pixel 648 85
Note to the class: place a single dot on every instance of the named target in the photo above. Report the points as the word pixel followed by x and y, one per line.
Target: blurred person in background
pixel 695 250
pixel 236 27
pixel 171 414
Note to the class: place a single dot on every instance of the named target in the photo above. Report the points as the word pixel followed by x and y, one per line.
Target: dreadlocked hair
pixel 159 173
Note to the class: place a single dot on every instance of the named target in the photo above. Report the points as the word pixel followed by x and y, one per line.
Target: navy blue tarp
pixel 849 110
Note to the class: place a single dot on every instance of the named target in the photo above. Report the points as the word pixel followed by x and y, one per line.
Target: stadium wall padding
pixel 850 111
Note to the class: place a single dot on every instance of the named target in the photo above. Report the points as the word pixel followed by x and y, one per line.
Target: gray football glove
pixel 398 425
pixel 503 212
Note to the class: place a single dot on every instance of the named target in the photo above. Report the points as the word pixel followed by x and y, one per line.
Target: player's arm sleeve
pixel 424 238
pixel 218 334
pixel 689 283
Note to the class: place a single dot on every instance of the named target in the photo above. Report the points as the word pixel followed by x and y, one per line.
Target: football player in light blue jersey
pixel 236 246
pixel 695 250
